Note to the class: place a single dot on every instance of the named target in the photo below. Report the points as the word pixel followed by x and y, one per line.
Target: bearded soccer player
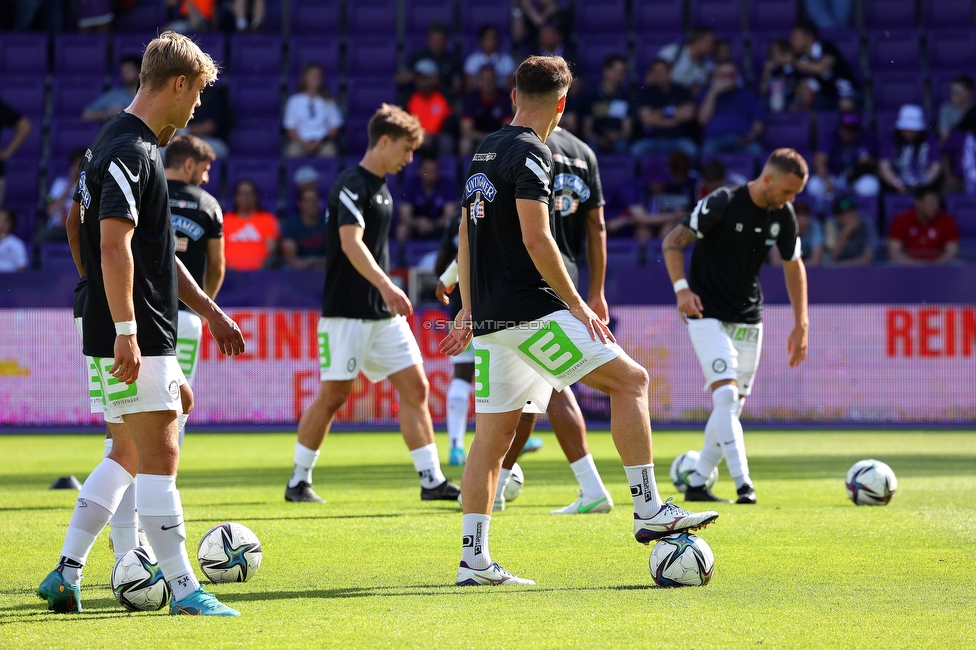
pixel 532 331
pixel 126 246
pixel 198 228
pixel 364 326
pixel 733 229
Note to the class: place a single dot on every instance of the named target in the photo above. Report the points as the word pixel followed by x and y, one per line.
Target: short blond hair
pixel 395 122
pixel 172 54
pixel 788 161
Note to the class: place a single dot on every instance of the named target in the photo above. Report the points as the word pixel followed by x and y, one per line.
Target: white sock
pixel 305 460
pixel 729 431
pixel 458 396
pixel 588 477
pixel 474 548
pixel 98 499
pixel 643 488
pixel 125 523
pixel 181 423
pixel 428 466
pixel 711 454
pixel 162 516
pixel 503 477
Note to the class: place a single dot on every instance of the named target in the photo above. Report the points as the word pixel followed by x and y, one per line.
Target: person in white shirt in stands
pixel 312 118
pixel 13 253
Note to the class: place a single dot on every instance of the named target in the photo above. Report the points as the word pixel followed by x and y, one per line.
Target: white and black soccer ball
pixel 871 483
pixel 683 466
pixel 138 583
pixel 681 560
pixel 514 486
pixel 229 552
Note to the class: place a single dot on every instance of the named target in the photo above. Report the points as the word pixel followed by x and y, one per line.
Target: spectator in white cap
pixel 910 156
pixel 306 177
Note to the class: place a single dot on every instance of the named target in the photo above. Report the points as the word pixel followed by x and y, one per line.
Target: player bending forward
pixel 129 324
pixel 364 325
pixel 733 229
pixel 532 331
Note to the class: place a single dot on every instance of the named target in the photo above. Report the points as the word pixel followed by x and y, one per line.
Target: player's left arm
pixel 213 277
pixel 596 259
pixel 225 331
pixel 796 286
pixel 118 269
pixel 73 225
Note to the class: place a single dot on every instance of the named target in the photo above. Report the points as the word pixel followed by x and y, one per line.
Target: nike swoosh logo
pixel 585 509
pixel 354 197
pixel 172 527
pixel 134 179
pixel 704 208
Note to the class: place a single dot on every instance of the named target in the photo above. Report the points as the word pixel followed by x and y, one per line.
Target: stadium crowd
pixel 677 98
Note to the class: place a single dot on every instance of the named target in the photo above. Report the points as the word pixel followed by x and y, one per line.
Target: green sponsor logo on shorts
pixel 94 381
pixel 325 359
pixel 113 389
pixel 552 349
pixel 186 354
pixel 482 382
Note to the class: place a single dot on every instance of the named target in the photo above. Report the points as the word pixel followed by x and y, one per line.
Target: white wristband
pixel 450 275
pixel 125 328
pixel 680 284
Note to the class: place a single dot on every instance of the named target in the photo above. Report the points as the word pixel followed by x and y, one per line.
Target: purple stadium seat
pixel 622 253
pixel 868 207
pixel 364 96
pixel 71 134
pixel 947 13
pixel 69 97
pixel 760 45
pixel 615 171
pixel 143 17
pixel 590 54
pixel 273 17
pixel 895 204
pixel 849 43
pixel 25 94
pixel 883 14
pixel 319 49
pixel 601 17
pixel 415 251
pixel 771 15
pixel 963 208
pixel 328 169
pixel 255 138
pixel 737 164
pixel 827 123
pixel 255 98
pixel 26 220
pixel 654 167
pixel 315 18
pixel 885 122
pixel 371 17
pixel 32 145
pixel 125 44
pixel 215 45
pixel 787 130
pixel 255 55
pixel 371 56
pixel 475 13
pixel 264 173
pixel 720 15
pixel 22 186
pixel 893 51
pixel 418 14
pixel 952 48
pixel 650 17
pixel 215 183
pixel 892 89
pixel 23 54
pixel 356 137
pixel 647 48
pixel 56 256
pixel 80 54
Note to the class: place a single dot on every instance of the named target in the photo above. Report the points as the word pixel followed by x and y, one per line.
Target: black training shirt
pixel 196 219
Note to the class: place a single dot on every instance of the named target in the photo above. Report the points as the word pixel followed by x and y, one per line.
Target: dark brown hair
pixel 395 122
pixel 788 161
pixel 541 76
pixel 182 147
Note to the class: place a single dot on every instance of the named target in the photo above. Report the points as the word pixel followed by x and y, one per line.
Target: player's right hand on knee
pixel 128 359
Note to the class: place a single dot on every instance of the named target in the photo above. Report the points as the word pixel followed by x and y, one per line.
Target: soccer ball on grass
pixel 681 560
pixel 137 582
pixel 514 486
pixel 683 466
pixel 229 553
pixel 871 483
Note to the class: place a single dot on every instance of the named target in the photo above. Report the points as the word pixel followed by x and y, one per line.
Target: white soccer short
pixel 189 332
pixel 95 404
pixel 378 348
pixel 465 357
pixel 518 367
pixel 156 389
pixel 727 351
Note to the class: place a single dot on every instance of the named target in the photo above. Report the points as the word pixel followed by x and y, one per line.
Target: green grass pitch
pixel 374 567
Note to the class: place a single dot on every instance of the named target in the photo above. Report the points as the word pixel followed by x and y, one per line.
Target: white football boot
pixel 668 520
pixel 493 575
pixel 586 506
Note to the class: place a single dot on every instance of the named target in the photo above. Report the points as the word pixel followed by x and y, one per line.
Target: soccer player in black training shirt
pixel 733 229
pixel 532 331
pixel 198 225
pixel 125 244
pixel 363 325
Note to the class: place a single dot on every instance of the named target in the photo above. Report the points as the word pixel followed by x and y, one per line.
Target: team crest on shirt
pixel 188 227
pixel 480 183
pixel 570 190
pixel 774 229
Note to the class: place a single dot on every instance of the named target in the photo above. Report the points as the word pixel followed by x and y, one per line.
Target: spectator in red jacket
pixel 924 234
